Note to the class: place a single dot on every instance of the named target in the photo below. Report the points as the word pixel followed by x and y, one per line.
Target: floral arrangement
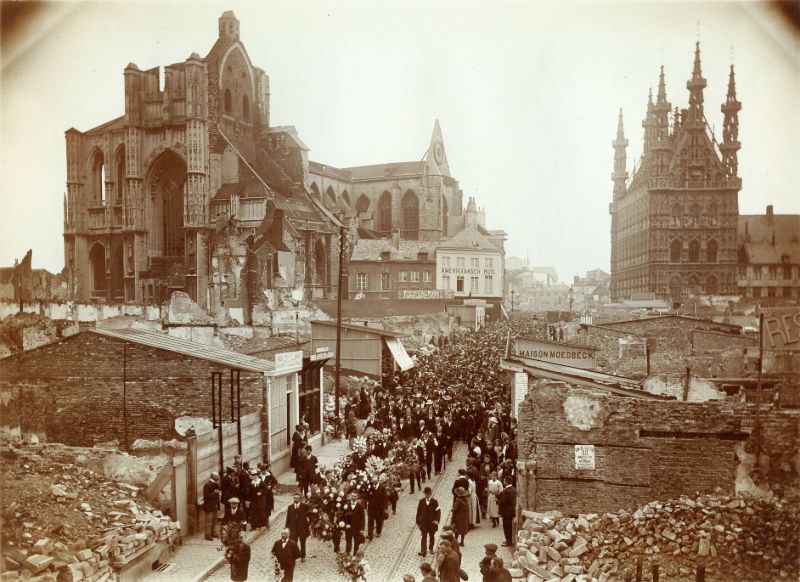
pixel 351 567
pixel 277 571
pixel 359 446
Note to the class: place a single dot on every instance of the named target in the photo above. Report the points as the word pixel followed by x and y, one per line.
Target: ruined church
pixel 193 189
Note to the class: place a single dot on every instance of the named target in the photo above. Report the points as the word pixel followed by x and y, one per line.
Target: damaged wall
pixel 646 449
pixel 71 391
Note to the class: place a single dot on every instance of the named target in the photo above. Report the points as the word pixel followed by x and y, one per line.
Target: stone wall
pixel 674 343
pixel 71 391
pixel 646 449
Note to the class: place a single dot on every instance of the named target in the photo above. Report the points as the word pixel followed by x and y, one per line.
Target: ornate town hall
pixel 192 189
pixel 674 225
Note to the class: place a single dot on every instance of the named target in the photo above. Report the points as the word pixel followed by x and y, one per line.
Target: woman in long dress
pixel 494 488
pixel 474 507
pixel 461 513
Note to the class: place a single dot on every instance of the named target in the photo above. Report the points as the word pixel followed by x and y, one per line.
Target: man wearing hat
pixel 235 517
pixel 428 515
pixel 211 504
pixel 491 550
pixel 297 523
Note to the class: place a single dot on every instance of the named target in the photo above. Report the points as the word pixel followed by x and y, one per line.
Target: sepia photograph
pixel 399 291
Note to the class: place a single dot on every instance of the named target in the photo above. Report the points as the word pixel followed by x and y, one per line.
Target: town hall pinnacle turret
pixel 673 225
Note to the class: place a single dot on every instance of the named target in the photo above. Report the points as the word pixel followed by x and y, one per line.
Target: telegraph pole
pixel 338 355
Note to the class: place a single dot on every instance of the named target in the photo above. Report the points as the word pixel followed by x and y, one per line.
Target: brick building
pixel 643 449
pixel 126 384
pixel 393 268
pixel 674 224
pixel 769 256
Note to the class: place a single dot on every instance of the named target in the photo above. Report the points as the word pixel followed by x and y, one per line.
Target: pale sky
pixel 526 93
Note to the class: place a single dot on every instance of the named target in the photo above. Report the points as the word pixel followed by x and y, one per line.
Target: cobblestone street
pixel 389 556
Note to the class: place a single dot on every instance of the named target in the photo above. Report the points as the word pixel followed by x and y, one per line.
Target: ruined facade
pixel 174 194
pixel 674 224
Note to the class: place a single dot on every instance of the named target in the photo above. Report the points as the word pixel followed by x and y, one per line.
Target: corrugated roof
pixel 375 330
pixel 371 249
pixel 162 341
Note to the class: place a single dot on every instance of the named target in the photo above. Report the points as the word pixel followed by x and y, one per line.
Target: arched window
pixel 384 222
pixel 97 260
pixel 410 228
pixel 712 286
pixel 228 101
pixel 346 198
pixel 711 251
pixel 694 283
pixel 97 183
pixel 119 179
pixel 315 191
pixel 694 251
pixel 245 108
pixel 675 251
pixel 330 198
pixel 362 204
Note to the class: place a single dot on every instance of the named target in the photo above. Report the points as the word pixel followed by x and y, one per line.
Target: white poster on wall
pixel 520 389
pixel 584 457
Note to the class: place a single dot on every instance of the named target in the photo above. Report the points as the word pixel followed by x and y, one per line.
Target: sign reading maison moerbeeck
pixel 584 457
pixel 782 329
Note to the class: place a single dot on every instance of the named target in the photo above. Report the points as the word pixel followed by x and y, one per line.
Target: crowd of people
pixel 411 424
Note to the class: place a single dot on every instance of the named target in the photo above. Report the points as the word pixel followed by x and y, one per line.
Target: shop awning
pixel 399 353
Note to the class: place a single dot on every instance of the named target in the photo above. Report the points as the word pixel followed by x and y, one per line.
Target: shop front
pixel 283 404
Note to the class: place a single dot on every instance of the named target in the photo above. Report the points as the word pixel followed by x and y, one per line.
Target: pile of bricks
pixel 742 534
pixel 132 533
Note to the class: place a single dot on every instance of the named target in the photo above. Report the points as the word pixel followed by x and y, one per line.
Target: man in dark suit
pixel 297 524
pixel 377 504
pixel 287 552
pixel 211 504
pixel 355 534
pixel 309 470
pixel 461 481
pixel 507 507
pixel 428 515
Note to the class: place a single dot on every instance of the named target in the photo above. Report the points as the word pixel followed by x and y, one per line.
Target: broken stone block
pixel 704 549
pixel 38 563
pixel 84 555
pixel 578 550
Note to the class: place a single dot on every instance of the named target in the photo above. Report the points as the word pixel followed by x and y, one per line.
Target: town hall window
pixel 385 281
pixel 460 262
pixel 473 285
pixel 459 284
pixel 694 252
pixel 446 282
pixel 488 282
pixel 361 281
pixel 675 251
pixel 711 251
pixel 415 276
pixel 475 262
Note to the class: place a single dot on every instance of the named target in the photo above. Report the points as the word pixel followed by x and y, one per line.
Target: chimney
pixel 396 239
pixel 770 214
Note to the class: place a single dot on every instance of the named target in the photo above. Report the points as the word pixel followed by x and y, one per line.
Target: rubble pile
pixel 63 521
pixel 733 537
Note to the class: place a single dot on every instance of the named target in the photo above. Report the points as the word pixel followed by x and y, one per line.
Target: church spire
pixel 696 85
pixel 620 176
pixel 730 128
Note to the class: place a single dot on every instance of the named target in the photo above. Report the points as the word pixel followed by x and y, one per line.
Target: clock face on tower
pixel 438 152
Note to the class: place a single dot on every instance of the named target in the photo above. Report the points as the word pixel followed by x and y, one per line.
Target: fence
pixel 203 455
